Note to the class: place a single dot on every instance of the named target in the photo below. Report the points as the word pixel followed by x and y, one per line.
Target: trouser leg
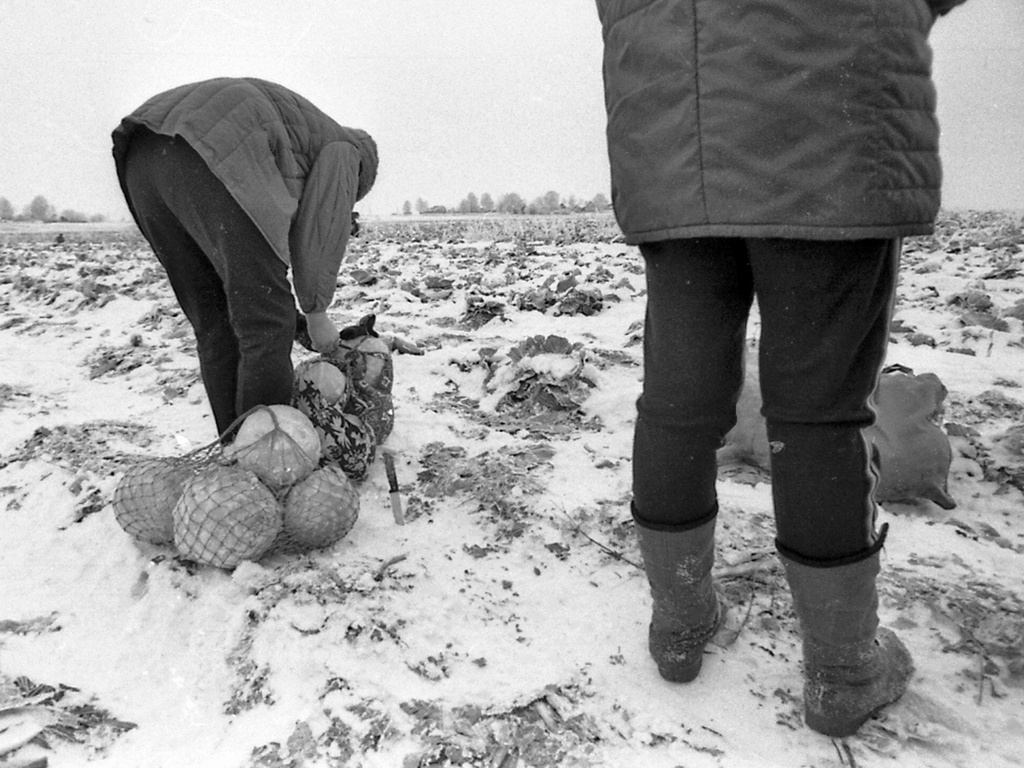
pixel 231 285
pixel 825 311
pixel 196 283
pixel 699 295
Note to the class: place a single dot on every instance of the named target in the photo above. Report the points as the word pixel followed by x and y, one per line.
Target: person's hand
pixel 323 333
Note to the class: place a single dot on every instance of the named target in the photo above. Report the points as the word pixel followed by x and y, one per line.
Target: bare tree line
pixel 40 209
pixel 511 202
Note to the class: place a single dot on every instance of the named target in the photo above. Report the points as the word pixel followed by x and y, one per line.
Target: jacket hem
pixel 783 231
pixel 122 142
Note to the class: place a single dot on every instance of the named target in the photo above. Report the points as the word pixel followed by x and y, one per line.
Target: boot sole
pixel 900 671
pixel 687 670
pixel 681 673
pixel 830 726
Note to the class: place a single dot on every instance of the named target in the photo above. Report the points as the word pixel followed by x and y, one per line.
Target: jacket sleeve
pixel 320 230
pixel 942 7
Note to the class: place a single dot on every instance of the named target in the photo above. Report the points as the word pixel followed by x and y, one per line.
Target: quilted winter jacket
pixel 806 119
pixel 295 171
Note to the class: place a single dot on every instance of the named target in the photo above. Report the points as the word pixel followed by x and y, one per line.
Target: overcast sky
pixel 461 95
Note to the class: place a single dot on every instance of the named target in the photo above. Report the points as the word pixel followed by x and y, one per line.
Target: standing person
pixel 233 181
pixel 777 149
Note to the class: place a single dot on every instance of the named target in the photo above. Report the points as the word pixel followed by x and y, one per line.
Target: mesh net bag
pixel 226 515
pixel 278 443
pixel 145 497
pixel 220 505
pixel 319 510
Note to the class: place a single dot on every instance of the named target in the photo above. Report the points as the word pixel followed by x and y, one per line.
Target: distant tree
pixel 469 204
pixel 97 218
pixel 511 203
pixel 486 202
pixel 421 205
pixel 406 208
pixel 40 209
pixel 6 209
pixel 549 202
pixel 74 216
pixel 600 202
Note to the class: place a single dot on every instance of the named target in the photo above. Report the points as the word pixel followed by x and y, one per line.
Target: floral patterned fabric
pixel 352 428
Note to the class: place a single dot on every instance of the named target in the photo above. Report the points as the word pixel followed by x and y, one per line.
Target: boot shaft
pixel 685 612
pixel 837 607
pixel 678 566
pixel 851 667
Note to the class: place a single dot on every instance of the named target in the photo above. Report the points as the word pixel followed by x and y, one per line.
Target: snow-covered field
pixel 504 624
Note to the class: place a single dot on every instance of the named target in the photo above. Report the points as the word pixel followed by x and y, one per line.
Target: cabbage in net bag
pixel 226 515
pixel 222 504
pixel 145 496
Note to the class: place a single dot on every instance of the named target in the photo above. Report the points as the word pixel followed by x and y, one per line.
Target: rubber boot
pixel 686 610
pixel 851 667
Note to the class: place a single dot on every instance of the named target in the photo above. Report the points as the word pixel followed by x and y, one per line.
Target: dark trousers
pixel 825 309
pixel 230 284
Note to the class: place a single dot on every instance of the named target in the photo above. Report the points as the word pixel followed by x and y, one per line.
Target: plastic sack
pixel 351 425
pixel 912 451
pixel 347 439
pixel 747 441
pixel 367 359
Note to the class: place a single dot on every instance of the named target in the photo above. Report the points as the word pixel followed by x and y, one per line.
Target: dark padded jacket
pixel 771 118
pixel 294 170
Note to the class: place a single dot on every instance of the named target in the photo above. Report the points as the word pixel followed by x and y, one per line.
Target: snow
pixel 505 622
